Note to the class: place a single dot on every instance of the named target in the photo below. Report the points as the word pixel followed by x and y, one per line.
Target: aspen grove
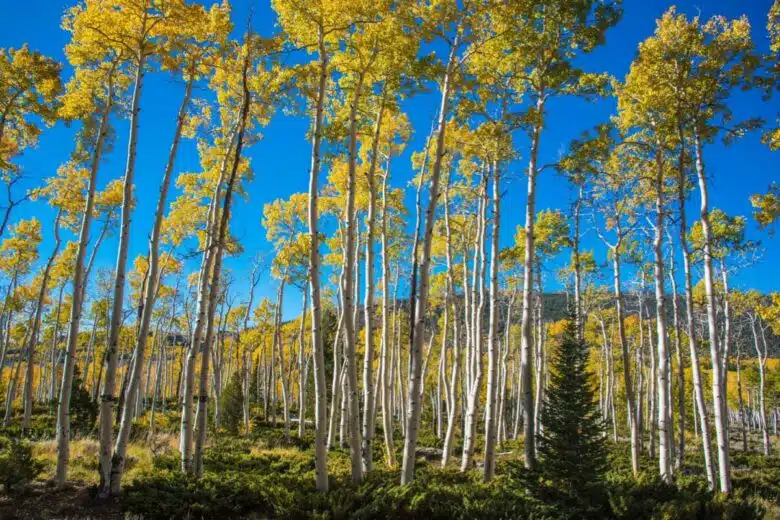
pixel 477 305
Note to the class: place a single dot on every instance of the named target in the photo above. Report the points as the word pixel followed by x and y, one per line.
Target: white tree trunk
pixel 718 392
pixel 415 355
pixel 526 391
pixel 63 407
pixel 491 416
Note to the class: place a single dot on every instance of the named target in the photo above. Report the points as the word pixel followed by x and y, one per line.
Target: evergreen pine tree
pixel 571 449
pixel 83 410
pixel 232 405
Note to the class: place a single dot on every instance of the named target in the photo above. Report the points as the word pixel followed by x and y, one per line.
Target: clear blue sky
pixel 281 159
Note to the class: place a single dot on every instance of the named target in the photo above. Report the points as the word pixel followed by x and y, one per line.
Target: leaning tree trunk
pixel 414 405
pixel 188 383
pixel 147 307
pixel 36 326
pixel 63 406
pixel 222 232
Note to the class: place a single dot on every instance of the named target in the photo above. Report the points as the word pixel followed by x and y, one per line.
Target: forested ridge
pixel 603 359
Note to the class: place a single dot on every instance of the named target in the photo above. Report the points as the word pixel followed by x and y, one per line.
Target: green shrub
pixel 17 465
pixel 83 411
pixel 231 405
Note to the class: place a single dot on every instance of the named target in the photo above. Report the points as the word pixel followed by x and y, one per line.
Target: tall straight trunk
pixel 36 326
pixel 700 407
pixel 420 305
pixel 725 345
pixel 491 408
pixel 762 357
pixel 63 406
pixel 741 402
pixel 301 374
pixel 453 383
pixel 526 391
pixel 680 368
pixel 278 348
pixel 222 232
pixel 384 376
pixel 662 388
pixel 147 307
pixel 474 357
pixel 718 392
pixel 367 447
pixel 576 260
pixel 503 412
pixel 627 381
pixel 349 289
pixel 541 360
pixel 335 405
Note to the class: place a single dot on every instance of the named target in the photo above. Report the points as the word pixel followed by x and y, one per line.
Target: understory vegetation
pixel 263 474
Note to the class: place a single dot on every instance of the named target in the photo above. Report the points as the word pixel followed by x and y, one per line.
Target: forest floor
pixel 267 475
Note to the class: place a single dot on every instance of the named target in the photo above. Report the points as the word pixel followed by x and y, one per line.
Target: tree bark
pixel 718 393
pixel 420 305
pixel 492 391
pixel 79 280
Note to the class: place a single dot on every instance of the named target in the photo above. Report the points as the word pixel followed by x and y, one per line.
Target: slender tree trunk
pixel 213 289
pixel 679 358
pixel 492 390
pixel 349 290
pixel 385 379
pixel 576 261
pixel 79 280
pixel 453 383
pixel 474 358
pixel 718 393
pixel 420 305
pixel 529 428
pixel 700 407
pixel 301 374
pixel 36 326
pixel 368 359
pixel 627 382
pixel 762 357
pixel 663 401
pixel 207 259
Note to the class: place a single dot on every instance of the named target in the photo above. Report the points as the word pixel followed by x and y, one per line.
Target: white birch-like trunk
pixel 491 416
pixel 414 405
pixel 718 392
pixel 63 407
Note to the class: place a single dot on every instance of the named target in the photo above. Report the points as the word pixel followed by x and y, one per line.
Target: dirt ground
pixel 44 502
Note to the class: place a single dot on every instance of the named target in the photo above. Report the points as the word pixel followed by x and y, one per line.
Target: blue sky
pixel 281 160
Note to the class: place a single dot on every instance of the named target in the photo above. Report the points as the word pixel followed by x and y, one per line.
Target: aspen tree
pixel 319 27
pixel 189 35
pixel 95 88
pixel 29 88
pixel 547 39
pixel 65 193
